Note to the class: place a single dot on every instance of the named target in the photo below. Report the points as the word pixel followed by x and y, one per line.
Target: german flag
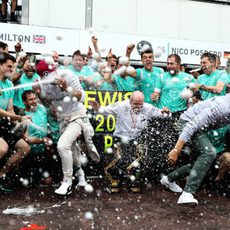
pixel 227 54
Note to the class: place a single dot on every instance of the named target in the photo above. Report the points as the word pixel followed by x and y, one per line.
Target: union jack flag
pixel 39 39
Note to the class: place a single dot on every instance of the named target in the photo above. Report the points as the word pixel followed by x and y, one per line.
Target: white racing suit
pixel 70 151
pixel 72 117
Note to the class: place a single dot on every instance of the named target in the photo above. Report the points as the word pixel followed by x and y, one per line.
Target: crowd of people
pixel 43 117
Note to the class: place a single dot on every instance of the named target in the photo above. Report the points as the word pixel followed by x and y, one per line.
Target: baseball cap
pixel 43 69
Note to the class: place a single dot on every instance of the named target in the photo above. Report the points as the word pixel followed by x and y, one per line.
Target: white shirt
pixel 128 124
pixel 209 114
pixel 63 101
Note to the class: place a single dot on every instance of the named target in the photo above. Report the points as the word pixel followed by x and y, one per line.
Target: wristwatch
pixel 202 87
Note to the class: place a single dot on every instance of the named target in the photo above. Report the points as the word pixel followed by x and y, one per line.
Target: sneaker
pixel 64 189
pixel 171 185
pixel 187 198
pixel 81 178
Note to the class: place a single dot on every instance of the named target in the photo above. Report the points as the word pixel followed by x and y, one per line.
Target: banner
pixel 190 51
pixel 104 125
pixel 37 39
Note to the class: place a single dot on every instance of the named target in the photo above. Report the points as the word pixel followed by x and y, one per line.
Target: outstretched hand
pixel 110 53
pixel 130 48
pixel 61 82
pixel 90 52
pixel 94 40
pixel 18 47
pixel 94 105
pixel 26 118
pixel 165 110
pixel 173 156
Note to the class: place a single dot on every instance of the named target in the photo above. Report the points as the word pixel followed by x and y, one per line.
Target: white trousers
pixel 67 149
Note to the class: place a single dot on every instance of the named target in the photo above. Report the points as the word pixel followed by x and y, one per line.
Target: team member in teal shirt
pixel 8 121
pixel 227 70
pixel 169 87
pixel 41 158
pixel 26 76
pixel 210 84
pixel 104 81
pixel 7 95
pixel 213 81
pixel 148 75
pixel 228 83
pixel 125 83
pixel 77 67
pixel 53 125
pixel 37 129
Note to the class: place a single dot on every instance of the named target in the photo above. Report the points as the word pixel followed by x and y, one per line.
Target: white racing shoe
pixel 173 186
pixel 65 188
pixel 187 199
pixel 81 178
